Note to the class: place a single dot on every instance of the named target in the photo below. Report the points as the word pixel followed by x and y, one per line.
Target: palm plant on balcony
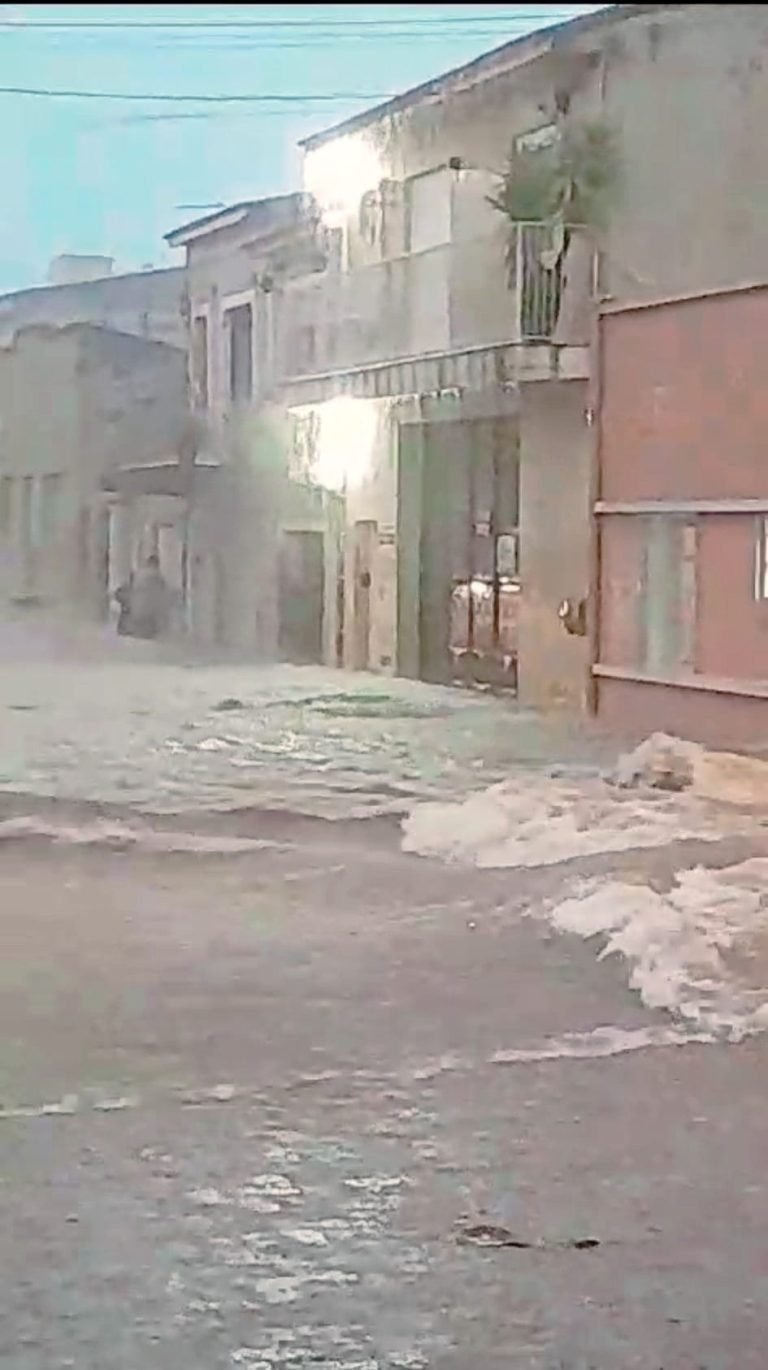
pixel 571 185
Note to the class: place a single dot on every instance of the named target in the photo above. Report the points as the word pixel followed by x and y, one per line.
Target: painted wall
pixel 148 304
pixel 679 84
pixel 237 526
pixel 555 454
pixel 683 419
pixel 684 218
pixel 75 403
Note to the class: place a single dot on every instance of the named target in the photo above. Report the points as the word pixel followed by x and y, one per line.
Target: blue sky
pixel 103 175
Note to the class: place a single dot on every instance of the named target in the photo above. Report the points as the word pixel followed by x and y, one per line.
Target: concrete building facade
pixel 454 415
pixel 76 403
pixel 263 547
pixel 146 304
pixel 410 326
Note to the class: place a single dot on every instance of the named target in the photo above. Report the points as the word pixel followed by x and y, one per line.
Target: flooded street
pixel 275 1091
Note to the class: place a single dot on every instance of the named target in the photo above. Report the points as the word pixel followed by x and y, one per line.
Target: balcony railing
pixel 444 299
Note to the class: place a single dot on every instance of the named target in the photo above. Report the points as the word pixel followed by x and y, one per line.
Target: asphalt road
pixel 322 1103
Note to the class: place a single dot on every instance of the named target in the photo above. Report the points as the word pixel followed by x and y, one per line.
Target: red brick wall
pixel 685 416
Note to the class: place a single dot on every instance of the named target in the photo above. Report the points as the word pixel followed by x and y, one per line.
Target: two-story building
pixel 264 543
pixel 437 361
pixel 457 413
pixel 450 407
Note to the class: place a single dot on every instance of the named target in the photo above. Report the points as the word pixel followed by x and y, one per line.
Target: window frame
pixel 229 305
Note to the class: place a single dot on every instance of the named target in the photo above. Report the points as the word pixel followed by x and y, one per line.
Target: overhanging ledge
pixel 155 478
pixel 503 365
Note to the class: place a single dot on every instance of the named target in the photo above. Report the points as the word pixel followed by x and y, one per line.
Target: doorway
pixel 365 538
pixel 458 590
pixel 301 576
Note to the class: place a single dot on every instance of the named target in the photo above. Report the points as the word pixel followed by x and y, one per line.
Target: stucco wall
pixel 133 400
pixel 74 403
pixel 218 267
pixel 39 439
pixel 475 125
pixel 686 90
pixel 148 304
pixel 555 451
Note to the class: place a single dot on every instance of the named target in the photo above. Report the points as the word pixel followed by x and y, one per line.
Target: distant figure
pixel 149 601
pixel 123 601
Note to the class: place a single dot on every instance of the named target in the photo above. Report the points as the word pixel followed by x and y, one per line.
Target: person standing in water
pixel 149 601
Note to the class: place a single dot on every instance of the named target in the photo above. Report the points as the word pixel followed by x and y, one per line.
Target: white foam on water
pixel 597 1044
pixel 539 821
pixel 698 950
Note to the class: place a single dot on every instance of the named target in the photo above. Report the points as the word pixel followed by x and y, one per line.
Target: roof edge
pixel 520 50
pixel 7 296
pixel 229 217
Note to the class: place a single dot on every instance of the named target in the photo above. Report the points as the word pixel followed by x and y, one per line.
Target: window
pixel 6 506
pixel 761 558
pixel 199 360
pixel 240 329
pixel 428 208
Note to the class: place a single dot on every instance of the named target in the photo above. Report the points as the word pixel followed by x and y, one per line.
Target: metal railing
pixel 551 269
pixel 534 288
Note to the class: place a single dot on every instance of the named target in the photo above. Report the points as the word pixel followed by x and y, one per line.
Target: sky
pixel 112 176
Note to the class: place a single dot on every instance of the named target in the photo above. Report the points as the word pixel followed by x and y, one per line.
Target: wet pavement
pixel 275 1109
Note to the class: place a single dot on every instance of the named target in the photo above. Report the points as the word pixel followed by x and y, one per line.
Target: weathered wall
pixel 721 720
pixel 148 304
pixel 235 584
pixel 684 218
pixel 687 89
pixel 685 406
pixel 555 450
pixel 133 401
pixel 371 498
pixel 218 267
pixel 683 419
pixel 39 438
pixel 74 403
pixel 228 264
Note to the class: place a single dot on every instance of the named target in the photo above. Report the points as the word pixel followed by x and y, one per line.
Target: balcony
pixel 445 300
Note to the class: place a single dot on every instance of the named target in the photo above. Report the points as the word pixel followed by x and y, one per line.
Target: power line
pixel 382 24
pixel 43 92
pixel 207 115
pixel 351 43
